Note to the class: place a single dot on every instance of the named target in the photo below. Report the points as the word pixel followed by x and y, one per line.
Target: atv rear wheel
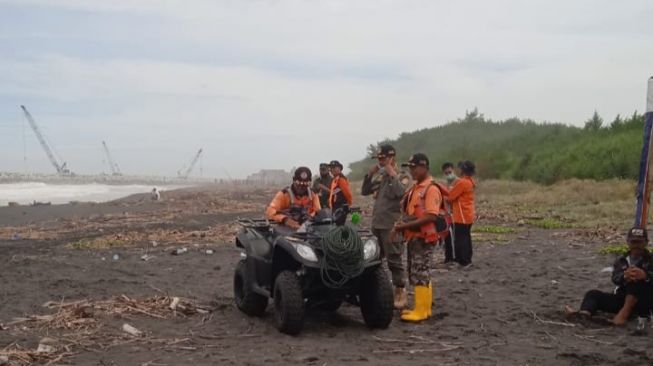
pixel 288 303
pixel 376 299
pixel 247 300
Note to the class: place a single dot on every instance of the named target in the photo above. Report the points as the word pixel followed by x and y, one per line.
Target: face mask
pixel 451 177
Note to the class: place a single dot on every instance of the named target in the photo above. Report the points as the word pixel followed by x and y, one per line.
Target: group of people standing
pixel 412 214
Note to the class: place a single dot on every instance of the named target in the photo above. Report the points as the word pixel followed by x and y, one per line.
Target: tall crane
pixel 185 174
pixel 115 170
pixel 61 168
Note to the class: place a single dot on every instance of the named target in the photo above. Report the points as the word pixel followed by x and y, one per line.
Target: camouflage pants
pixel 419 262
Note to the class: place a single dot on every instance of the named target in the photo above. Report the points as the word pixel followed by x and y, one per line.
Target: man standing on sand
pixel 340 193
pixel 322 185
pixel 387 185
pixel 421 205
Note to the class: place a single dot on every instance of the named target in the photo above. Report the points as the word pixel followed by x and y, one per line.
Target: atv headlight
pixel 370 249
pixel 306 252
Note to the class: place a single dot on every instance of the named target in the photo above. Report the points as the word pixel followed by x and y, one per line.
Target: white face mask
pixel 451 177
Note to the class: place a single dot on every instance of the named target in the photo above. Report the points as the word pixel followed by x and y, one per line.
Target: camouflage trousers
pixel 419 262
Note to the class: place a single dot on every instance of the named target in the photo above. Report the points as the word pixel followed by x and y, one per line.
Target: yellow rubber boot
pixel 422 303
pixel 429 309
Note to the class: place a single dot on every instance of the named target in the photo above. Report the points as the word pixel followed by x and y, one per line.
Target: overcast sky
pixel 276 84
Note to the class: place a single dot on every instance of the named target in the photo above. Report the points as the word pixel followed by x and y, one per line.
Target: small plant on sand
pixel 549 223
pixel 619 249
pixel 494 229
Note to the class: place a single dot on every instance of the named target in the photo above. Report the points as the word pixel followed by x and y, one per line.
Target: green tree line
pixel 525 150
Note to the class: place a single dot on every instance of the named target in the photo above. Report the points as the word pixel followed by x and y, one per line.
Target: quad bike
pixel 296 269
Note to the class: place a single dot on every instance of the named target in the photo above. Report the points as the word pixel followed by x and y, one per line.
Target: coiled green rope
pixel 343 256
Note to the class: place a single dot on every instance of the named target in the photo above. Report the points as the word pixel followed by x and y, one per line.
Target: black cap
pixel 324 165
pixel 637 236
pixel 385 151
pixel 467 167
pixel 417 159
pixel 335 163
pixel 302 175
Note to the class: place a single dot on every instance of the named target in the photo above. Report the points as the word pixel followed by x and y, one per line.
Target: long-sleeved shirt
pixel 387 192
pixel 340 192
pixel 622 263
pixel 285 199
pixel 461 197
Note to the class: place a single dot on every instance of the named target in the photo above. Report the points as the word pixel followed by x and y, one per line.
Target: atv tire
pixel 288 303
pixel 247 300
pixel 376 299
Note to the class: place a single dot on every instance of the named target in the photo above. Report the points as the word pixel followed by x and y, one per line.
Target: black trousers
pixel 461 251
pixel 596 300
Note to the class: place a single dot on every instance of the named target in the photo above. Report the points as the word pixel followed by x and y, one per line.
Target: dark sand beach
pixel 506 309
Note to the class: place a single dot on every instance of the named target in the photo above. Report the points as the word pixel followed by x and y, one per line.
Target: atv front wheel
pixel 288 303
pixel 376 299
pixel 247 300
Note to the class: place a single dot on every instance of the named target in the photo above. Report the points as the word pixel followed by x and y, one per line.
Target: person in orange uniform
pixel 421 206
pixel 340 194
pixel 461 198
pixel 292 205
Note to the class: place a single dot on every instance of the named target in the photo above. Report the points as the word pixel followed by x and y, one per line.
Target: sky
pixel 277 84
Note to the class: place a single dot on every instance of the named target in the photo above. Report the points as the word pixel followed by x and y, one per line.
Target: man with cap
pixel 386 184
pixel 322 185
pixel 292 205
pixel 421 205
pixel 340 193
pixel 633 276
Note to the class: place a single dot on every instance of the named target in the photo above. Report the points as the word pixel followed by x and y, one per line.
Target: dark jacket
pixel 644 262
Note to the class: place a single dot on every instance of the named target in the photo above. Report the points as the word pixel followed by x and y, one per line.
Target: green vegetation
pixel 549 223
pixel 97 243
pixel 619 249
pixel 493 229
pixel 525 150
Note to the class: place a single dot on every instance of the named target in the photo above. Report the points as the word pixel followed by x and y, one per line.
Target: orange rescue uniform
pixel 285 199
pixel 422 199
pixel 340 193
pixel 461 197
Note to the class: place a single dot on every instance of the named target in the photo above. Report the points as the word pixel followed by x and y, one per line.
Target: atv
pixel 293 268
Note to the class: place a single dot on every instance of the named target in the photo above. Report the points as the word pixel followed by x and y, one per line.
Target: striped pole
pixel 645 173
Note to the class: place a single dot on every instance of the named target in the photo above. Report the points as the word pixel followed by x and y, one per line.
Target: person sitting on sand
pixel 633 275
pixel 291 205
pixel 155 195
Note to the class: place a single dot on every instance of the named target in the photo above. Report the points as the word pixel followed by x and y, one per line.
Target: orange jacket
pixel 461 197
pixel 422 199
pixel 283 200
pixel 340 192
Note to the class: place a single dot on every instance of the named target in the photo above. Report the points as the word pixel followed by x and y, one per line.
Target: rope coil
pixel 343 256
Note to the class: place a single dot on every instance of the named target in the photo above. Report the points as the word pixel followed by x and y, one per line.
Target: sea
pixel 27 192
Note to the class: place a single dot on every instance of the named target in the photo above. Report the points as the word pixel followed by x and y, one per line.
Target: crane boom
pixel 115 170
pixel 192 165
pixel 61 168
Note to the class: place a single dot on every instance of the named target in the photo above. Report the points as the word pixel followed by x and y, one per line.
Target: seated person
pixel 291 205
pixel 633 275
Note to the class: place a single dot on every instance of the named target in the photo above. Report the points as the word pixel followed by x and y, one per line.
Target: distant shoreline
pixel 6 177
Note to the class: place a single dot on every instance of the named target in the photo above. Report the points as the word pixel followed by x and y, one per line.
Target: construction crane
pixel 61 168
pixel 186 173
pixel 115 170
